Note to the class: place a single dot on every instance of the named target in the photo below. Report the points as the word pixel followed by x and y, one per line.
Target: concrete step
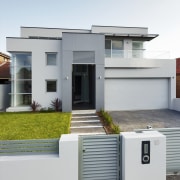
pixel 79 112
pixel 85 118
pixel 98 130
pixel 84 115
pixel 86 122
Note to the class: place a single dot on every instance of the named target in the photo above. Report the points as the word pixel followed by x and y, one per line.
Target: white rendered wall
pixel 63 167
pixel 120 30
pixel 47 32
pixel 132 168
pixel 40 71
pixel 156 79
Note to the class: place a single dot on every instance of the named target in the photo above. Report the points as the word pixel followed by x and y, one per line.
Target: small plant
pixel 113 128
pixel 56 104
pixel 35 106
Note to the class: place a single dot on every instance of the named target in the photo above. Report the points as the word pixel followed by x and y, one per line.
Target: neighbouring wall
pixel 177 104
pixel 4 96
pixel 178 86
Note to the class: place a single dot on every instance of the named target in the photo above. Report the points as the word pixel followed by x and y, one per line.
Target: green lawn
pixel 33 125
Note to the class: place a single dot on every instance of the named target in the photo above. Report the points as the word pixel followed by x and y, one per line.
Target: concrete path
pixel 86 122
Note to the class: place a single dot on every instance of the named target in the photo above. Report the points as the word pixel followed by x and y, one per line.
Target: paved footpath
pixel 86 122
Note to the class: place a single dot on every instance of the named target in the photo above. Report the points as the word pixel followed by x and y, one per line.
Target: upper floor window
pixel 51 59
pixel 137 49
pixel 113 48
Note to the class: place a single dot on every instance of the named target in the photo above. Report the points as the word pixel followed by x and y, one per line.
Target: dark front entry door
pixel 83 86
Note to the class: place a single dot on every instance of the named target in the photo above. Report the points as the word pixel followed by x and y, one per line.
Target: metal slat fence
pixel 29 147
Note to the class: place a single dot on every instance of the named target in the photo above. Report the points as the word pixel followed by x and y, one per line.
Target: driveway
pixel 130 120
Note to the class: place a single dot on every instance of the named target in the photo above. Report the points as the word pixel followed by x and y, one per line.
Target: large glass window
pixel 51 59
pixel 21 79
pixel 114 48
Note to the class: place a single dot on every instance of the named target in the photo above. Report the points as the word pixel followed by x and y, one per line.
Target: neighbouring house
pixel 5 87
pixel 178 78
pixel 105 67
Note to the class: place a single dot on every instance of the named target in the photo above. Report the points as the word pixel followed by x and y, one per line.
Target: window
pixel 83 57
pixel 21 76
pixel 108 48
pixel 51 59
pixel 137 49
pixel 113 48
pixel 51 85
pixel 117 47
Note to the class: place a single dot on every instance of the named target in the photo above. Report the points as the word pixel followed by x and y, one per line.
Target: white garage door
pixel 136 94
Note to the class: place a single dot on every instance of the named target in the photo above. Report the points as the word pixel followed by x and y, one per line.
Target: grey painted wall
pixel 82 42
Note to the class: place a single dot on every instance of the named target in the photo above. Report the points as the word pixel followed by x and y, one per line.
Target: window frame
pixel 51 53
pixel 21 82
pixel 51 80
pixel 111 50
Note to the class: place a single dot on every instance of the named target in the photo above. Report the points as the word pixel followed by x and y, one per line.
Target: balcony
pixel 136 54
pixel 139 59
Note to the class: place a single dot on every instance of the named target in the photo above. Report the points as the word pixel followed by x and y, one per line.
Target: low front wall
pixel 44 167
pixel 177 104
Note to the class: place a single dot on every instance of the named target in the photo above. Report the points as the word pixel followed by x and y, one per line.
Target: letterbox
pixel 143 155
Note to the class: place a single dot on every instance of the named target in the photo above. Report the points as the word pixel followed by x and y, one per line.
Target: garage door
pixel 136 94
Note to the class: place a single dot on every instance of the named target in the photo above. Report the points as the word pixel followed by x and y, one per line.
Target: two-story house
pixel 103 67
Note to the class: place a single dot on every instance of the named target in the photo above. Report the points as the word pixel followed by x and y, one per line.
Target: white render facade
pixel 101 68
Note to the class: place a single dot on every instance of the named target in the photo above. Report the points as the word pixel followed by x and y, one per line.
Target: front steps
pixel 86 122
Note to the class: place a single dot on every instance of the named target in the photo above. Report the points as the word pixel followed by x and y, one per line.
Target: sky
pixel 160 16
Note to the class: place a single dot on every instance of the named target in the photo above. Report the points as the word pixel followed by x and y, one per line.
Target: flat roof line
pixel 55 28
pixel 120 26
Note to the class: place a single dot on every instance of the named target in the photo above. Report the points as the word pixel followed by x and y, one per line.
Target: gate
pixel 99 157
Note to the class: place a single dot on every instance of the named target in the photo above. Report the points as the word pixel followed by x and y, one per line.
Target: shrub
pixel 35 106
pixel 115 129
pixel 56 104
pixel 109 122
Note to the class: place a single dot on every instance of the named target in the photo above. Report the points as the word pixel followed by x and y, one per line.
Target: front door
pixel 83 86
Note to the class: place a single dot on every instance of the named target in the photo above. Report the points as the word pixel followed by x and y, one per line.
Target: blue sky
pixel 160 16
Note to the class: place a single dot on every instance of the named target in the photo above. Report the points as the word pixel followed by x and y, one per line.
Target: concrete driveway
pixel 130 120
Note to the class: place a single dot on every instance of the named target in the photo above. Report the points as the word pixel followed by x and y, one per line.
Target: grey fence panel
pixel 29 147
pixel 99 157
pixel 172 148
